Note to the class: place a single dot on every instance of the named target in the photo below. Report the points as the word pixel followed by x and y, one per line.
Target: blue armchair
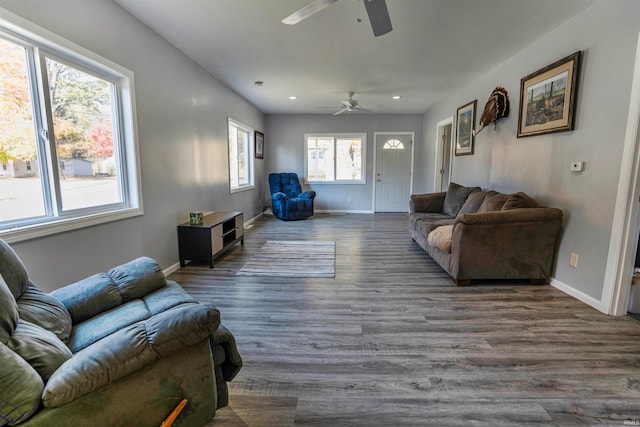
pixel 287 199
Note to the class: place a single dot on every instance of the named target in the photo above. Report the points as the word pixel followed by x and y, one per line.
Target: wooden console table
pixel 206 241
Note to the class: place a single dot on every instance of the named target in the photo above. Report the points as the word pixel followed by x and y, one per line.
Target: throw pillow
pixel 455 198
pixel 519 200
pixel 493 202
pixel 473 202
pixel 441 238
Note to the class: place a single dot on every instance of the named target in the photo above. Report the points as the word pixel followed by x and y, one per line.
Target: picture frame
pixel 259 148
pixel 548 98
pixel 465 125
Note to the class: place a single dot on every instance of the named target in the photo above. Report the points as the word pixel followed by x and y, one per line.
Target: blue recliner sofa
pixel 287 199
pixel 120 348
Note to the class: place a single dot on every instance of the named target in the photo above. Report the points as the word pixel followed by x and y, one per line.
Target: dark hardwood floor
pixel 390 341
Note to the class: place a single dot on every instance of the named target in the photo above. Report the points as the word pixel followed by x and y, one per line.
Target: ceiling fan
pixel 376 9
pixel 351 105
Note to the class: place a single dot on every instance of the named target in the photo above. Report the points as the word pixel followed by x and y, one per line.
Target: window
pixel 67 135
pixel 240 157
pixel 393 144
pixel 335 158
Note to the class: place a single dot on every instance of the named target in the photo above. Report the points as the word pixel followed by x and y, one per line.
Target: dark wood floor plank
pixel 390 341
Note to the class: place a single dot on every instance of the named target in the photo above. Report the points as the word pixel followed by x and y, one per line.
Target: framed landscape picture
pixel 548 98
pixel 465 125
pixel 259 137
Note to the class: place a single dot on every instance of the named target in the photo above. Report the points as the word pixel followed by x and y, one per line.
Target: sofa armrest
pixel 307 195
pixel 430 202
pixel 129 350
pixel 104 291
pixel 519 243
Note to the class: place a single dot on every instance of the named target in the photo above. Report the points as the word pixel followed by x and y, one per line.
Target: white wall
pixel 607 33
pixel 284 144
pixel 182 126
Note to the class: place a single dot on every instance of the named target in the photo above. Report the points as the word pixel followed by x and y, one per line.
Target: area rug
pixel 292 258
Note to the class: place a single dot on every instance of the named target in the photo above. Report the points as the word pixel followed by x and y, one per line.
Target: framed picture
pixel 259 137
pixel 548 98
pixel 465 125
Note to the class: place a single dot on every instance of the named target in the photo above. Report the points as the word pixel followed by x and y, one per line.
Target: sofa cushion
pixel 519 200
pixel 137 278
pixel 426 226
pixel 12 270
pixel 42 349
pixel 493 202
pixel 8 312
pixel 455 198
pixel 104 291
pixel 21 388
pixel 428 216
pixel 441 238
pixel 45 311
pixel 166 298
pixel 473 202
pixel 86 333
pixel 88 297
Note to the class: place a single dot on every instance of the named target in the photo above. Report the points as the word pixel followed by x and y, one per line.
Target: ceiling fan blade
pixel 365 110
pixel 307 11
pixel 378 16
pixel 340 111
pixel 347 104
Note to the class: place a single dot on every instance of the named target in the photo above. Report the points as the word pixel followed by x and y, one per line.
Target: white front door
pixel 393 172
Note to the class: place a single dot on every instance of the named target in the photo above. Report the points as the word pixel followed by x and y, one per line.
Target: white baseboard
pixel 579 295
pixel 334 211
pixel 171 269
pixel 252 220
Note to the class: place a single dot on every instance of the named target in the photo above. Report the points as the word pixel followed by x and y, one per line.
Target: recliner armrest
pixel 307 195
pixel 279 196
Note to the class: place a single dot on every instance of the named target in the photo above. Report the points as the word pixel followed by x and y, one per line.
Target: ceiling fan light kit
pixel 376 10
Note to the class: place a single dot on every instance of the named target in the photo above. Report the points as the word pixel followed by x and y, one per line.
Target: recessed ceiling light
pixel 293 98
pixel 396 97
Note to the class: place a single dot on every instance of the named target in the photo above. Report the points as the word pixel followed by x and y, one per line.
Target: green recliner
pixel 120 348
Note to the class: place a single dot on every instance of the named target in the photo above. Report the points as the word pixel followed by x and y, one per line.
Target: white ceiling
pixel 436 45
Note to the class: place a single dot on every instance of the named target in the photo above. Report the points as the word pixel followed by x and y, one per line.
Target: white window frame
pixel 250 150
pixel 363 166
pixel 43 42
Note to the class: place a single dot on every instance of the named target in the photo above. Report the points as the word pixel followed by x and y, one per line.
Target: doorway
pixel 443 154
pixel 626 216
pixel 393 154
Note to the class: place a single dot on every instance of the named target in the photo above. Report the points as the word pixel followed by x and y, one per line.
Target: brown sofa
pixel 474 234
